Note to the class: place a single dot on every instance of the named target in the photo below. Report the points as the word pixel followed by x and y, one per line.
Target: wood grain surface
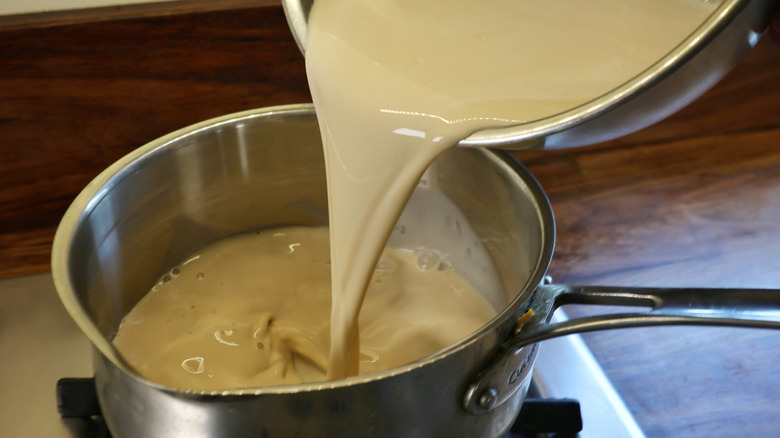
pixel 691 201
pixel 74 98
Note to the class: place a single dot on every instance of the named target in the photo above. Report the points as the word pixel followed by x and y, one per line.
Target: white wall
pixel 8 7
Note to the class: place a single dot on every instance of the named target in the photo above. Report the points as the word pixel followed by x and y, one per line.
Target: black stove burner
pixel 77 398
pixel 552 418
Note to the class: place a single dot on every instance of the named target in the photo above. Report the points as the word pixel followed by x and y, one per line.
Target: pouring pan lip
pixel 535 131
pixel 100 186
pixel 540 133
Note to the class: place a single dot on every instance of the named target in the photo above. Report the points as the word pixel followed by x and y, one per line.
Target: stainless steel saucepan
pixel 156 206
pixel 673 82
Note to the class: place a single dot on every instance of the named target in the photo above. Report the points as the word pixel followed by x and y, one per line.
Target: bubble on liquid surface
pixel 429 259
pixel 194 365
pixel 223 336
pixel 368 356
pixel 386 265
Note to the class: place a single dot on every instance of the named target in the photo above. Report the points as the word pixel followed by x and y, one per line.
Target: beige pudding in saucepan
pixel 254 310
pixel 395 83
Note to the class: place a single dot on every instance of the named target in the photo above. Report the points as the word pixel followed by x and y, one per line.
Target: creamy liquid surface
pixel 254 310
pixel 396 82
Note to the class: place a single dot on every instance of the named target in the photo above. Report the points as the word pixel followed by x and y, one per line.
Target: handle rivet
pixel 488 398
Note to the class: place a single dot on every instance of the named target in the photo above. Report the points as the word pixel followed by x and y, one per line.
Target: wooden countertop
pixel 691 201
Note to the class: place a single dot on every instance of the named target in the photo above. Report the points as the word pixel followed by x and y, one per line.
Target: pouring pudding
pixel 395 84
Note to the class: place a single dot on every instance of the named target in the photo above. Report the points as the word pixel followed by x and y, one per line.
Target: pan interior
pixel 262 169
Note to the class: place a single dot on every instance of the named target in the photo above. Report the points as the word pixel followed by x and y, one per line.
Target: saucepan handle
pixel 758 308
pixel 667 306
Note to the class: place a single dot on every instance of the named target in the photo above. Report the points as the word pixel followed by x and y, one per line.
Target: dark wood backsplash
pixel 77 96
pixel 79 90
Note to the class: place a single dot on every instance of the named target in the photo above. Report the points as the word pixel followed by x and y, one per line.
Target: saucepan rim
pixel 79 211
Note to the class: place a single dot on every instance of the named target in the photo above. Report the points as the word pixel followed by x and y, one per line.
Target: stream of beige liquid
pixel 396 82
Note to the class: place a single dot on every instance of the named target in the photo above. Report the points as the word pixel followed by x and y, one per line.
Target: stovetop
pixel 41 345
